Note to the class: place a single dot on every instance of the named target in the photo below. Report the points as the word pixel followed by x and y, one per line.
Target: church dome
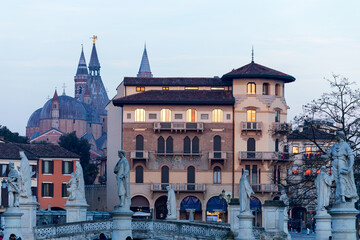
pixel 34 120
pixel 69 108
pixel 92 116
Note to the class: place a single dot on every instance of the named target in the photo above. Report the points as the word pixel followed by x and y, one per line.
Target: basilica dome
pixel 34 120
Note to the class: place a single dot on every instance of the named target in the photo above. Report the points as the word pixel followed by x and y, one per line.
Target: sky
pixel 40 44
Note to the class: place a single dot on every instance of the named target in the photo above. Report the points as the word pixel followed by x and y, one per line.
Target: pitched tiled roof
pixel 176 81
pixel 254 70
pixel 11 151
pixel 309 133
pixel 179 97
pixel 48 151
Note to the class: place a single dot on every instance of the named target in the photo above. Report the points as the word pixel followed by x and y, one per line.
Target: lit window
pixel 217 115
pixel 265 89
pixel 295 149
pixel 165 115
pixel 307 149
pixel 251 88
pixel 217 88
pixel 251 115
pixel 191 88
pixel 318 171
pixel 277 90
pixel 191 115
pixel 295 172
pixel 140 89
pixel 140 115
pixel 277 115
pixel 165 88
pixel 308 172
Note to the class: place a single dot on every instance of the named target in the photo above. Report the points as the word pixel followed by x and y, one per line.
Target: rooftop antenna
pixel 94 38
pixel 252 54
pixel 64 86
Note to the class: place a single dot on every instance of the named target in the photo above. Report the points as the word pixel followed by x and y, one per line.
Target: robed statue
pixel 13 184
pixel 323 183
pixel 76 185
pixel 122 171
pixel 245 192
pixel 26 172
pixel 343 163
pixel 171 203
pixel 284 197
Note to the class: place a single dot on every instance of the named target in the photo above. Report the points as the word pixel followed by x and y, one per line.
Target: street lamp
pixel 3 183
pixel 224 198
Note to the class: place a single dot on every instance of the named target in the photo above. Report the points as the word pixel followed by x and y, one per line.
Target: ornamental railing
pixel 255 155
pixel 179 126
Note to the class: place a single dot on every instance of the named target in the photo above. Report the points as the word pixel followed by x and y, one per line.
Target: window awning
pixel 190 203
pixel 216 205
pixel 139 201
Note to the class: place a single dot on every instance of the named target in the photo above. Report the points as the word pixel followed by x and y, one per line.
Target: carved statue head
pixel 283 192
pixel 323 169
pixel 168 187
pixel 11 165
pixel 246 173
pixel 121 153
pixel 340 135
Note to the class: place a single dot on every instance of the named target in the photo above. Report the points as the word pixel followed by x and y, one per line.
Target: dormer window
pixel 251 88
pixel 140 89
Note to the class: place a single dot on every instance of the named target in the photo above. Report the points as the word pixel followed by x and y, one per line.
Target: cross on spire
pixel 64 87
pixel 252 54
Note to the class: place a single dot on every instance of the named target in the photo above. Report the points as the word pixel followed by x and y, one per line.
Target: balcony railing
pixel 251 126
pixel 179 187
pixel 269 156
pixel 265 188
pixel 137 154
pixel 178 126
pixel 217 155
pixel 178 153
pixel 278 127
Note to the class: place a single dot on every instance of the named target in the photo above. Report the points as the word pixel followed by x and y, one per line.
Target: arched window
pixel 276 145
pixel 140 115
pixel 139 146
pixel 195 145
pixel 217 175
pixel 169 145
pixel 80 90
pixel 191 115
pixel 161 145
pixel 251 148
pixel 165 115
pixel 277 89
pixel 251 88
pixel 139 172
pixel 191 178
pixel 217 146
pixel 277 115
pixel 217 115
pixel 164 177
pixel 251 115
pixel 266 89
pixel 187 145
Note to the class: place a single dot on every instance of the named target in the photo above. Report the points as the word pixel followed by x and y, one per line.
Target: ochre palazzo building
pixel 198 135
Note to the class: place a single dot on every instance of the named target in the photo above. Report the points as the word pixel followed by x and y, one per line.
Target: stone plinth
pixel 12 218
pixel 245 226
pixel 121 223
pixel 28 220
pixel 76 212
pixel 323 225
pixel 275 222
pixel 234 207
pixel 343 220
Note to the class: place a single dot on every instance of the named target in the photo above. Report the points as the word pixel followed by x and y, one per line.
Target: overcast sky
pixel 40 44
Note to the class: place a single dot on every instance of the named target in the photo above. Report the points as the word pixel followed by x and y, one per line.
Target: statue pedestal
pixel 245 226
pixel 343 220
pixel 275 222
pixel 323 226
pixel 12 218
pixel 28 220
pixel 286 224
pixel 121 223
pixel 76 212
pixel 234 207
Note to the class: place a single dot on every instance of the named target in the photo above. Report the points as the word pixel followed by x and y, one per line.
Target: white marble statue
pixel 13 184
pixel 343 162
pixel 323 183
pixel 245 192
pixel 76 185
pixel 26 172
pixel 171 203
pixel 122 171
pixel 285 199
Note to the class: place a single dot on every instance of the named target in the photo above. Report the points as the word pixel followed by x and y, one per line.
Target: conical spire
pixel 82 68
pixel 55 97
pixel 94 64
pixel 144 70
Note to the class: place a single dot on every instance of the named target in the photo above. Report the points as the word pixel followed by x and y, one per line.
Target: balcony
pixel 251 127
pixel 264 156
pixel 217 157
pixel 138 156
pixel 178 154
pixel 281 128
pixel 178 126
pixel 179 187
pixel 265 188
